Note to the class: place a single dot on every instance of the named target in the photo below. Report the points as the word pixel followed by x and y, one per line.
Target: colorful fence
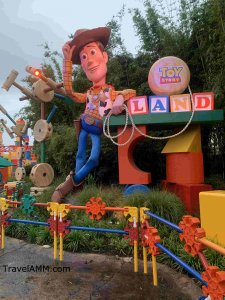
pixel 59 226
pixel 212 279
pixel 193 236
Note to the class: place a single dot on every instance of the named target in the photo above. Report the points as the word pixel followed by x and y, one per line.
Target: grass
pixel 164 204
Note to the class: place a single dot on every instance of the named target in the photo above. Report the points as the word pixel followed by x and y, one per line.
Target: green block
pixel 159 120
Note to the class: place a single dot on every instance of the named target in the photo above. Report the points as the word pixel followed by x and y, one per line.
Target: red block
pixel 188 193
pixel 129 173
pixel 185 167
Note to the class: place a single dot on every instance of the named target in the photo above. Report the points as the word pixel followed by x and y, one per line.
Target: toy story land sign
pixel 168 76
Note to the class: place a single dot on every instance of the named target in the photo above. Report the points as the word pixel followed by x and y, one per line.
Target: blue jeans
pixel 83 167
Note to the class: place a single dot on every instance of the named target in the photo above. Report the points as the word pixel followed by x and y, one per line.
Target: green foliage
pixel 148 29
pixel 31 234
pixel 162 203
pixel 75 241
pixel 53 70
pixel 17 230
pixel 44 237
pixel 120 246
pixel 107 171
pixel 217 181
pixel 110 195
pixel 116 44
pixel 61 151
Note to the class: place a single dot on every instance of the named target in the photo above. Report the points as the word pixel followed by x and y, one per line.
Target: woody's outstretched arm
pixel 67 75
pixel 120 97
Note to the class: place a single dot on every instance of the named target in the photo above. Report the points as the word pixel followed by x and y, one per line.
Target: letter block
pixel 179 103
pixel 138 105
pixel 159 104
pixel 204 101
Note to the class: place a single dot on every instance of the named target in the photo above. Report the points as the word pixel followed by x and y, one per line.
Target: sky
pixel 28 24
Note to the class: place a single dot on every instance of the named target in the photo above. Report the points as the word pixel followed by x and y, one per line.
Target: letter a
pixel 158 106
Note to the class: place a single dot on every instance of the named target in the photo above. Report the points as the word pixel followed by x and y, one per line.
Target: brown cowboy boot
pixel 76 187
pixel 64 188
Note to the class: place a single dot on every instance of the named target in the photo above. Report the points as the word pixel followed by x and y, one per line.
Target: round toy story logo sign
pixel 168 76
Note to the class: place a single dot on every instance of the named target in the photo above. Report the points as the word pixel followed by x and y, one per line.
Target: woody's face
pixel 94 63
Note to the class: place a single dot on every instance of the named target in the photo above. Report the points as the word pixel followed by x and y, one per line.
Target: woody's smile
pixel 93 69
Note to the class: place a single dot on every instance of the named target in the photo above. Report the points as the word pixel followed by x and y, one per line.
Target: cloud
pixel 22 40
pixel 11 103
pixel 20 45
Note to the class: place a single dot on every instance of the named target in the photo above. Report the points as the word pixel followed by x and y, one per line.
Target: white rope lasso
pixel 107 133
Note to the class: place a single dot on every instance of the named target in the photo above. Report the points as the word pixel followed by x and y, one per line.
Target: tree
pixel 208 33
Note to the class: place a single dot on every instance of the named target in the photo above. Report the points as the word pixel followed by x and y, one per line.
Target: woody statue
pixel 87 49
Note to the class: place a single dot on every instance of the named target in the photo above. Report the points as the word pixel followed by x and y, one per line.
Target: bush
pixel 61 149
pixel 162 203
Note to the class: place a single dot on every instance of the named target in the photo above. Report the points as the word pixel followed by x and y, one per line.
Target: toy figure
pixel 87 49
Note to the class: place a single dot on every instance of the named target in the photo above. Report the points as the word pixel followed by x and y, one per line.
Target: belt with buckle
pixel 92 121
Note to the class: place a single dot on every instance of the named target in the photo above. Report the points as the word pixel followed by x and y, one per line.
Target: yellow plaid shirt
pixel 83 98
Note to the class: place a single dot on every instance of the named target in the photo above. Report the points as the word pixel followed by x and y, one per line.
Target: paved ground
pixel 91 277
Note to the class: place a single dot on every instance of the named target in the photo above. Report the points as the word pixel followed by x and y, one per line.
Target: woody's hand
pixel 117 107
pixel 68 51
pixel 116 110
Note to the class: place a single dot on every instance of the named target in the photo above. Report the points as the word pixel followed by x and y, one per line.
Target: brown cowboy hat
pixel 83 37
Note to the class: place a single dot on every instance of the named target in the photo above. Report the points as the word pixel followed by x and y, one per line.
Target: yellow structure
pixel 189 141
pixel 212 208
pixel 132 212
